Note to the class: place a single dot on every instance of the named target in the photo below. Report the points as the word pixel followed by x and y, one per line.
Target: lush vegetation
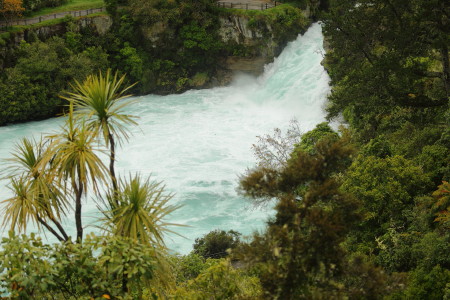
pixel 216 244
pixel 48 179
pixel 165 46
pixel 56 6
pixel 33 8
pixel 35 5
pixel 361 213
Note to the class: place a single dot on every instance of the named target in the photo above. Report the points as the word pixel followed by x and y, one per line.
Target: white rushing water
pixel 200 141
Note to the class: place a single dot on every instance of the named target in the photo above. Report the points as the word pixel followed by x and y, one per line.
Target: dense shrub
pixel 34 270
pixel 30 90
pixel 216 243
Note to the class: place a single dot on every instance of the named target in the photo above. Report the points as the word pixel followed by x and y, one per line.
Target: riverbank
pixel 166 51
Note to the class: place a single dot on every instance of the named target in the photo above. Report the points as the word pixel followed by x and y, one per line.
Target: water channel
pixel 200 141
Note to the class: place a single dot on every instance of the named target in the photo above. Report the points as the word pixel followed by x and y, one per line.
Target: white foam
pixel 198 142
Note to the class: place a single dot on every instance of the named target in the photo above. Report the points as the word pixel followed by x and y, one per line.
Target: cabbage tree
pixel 98 102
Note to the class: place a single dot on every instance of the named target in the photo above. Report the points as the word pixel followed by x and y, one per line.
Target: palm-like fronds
pixel 36 196
pixel 21 208
pixel 26 156
pixel 97 100
pixel 73 159
pixel 139 212
pixel 73 156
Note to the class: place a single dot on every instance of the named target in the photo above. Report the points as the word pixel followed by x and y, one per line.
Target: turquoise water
pixel 200 141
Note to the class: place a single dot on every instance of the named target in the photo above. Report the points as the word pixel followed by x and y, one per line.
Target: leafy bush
pixel 216 243
pixel 387 187
pixel 29 90
pixel 32 269
pixel 220 281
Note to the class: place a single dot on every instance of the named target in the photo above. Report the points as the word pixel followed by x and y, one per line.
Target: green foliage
pixel 219 281
pixel 380 78
pixel 401 252
pixel 130 61
pixel 441 207
pixel 364 280
pixel 36 197
pixel 73 41
pixel 64 6
pixel 73 162
pixel 137 210
pixel 111 6
pixel 378 147
pixel 216 244
pixel 285 21
pixel 309 139
pixel 97 101
pixel 435 160
pixel 273 152
pixel 30 89
pixel 199 79
pixel 425 284
pixel 34 5
pixel 31 269
pixel 189 266
pixel 195 36
pixel 394 94
pixel 300 253
pixel 387 187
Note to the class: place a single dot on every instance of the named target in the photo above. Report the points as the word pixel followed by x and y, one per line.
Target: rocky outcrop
pixel 153 33
pixel 260 42
pixel 100 24
pixel 254 65
pixel 236 29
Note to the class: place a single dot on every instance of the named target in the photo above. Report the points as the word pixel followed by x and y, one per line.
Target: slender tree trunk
pixel 60 228
pixel 78 194
pixel 112 159
pixel 49 228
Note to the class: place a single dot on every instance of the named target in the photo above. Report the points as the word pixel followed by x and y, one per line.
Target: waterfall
pixel 199 142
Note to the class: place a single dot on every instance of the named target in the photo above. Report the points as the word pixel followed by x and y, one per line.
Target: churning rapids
pixel 200 141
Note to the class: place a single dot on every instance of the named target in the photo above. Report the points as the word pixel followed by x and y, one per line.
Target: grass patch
pixel 21 28
pixel 71 5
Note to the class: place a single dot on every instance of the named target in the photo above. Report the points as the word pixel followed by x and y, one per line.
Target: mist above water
pixel 198 142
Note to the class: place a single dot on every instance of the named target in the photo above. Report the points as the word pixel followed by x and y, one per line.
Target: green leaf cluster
pixel 29 89
pixel 31 269
pixel 216 243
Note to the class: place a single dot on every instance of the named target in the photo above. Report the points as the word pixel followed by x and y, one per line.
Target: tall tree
pixel 73 158
pixel 300 255
pixel 11 9
pixel 98 102
pixel 387 56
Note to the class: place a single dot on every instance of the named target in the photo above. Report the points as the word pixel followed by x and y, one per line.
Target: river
pixel 199 142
